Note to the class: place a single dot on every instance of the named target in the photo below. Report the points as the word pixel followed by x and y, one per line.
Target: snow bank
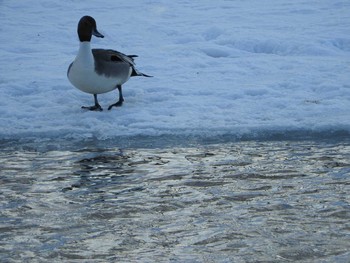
pixel 220 67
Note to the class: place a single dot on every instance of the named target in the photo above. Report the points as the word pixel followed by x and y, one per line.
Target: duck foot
pixel 117 104
pixel 93 108
pixel 96 107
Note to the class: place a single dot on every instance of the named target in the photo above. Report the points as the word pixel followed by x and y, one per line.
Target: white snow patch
pixel 219 67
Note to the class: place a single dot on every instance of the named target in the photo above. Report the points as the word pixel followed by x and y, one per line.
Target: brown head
pixel 87 28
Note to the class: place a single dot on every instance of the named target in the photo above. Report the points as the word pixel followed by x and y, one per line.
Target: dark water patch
pixel 50 142
pixel 242 197
pixel 203 183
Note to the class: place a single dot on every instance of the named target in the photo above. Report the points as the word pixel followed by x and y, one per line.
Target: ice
pixel 220 67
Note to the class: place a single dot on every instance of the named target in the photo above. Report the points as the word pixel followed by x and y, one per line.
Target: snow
pixel 220 67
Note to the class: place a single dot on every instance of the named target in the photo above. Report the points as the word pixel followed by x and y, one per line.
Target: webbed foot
pixel 96 107
pixel 117 104
pixel 93 108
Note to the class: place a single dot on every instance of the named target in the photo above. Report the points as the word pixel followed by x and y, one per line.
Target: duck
pixel 97 71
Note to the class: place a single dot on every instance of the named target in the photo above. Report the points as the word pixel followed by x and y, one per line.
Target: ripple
pixel 256 200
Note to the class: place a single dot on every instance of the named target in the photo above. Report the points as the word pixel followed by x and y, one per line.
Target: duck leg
pixel 96 107
pixel 121 99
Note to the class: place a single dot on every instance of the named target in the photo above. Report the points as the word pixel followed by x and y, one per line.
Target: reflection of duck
pixel 97 71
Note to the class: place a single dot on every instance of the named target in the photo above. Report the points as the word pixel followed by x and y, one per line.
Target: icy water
pixel 279 201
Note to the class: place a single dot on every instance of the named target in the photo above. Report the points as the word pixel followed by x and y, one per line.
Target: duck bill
pixel 97 34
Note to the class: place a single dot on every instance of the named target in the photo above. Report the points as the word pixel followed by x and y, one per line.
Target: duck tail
pixel 135 72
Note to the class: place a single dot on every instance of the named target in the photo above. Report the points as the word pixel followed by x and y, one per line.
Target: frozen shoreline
pixel 45 144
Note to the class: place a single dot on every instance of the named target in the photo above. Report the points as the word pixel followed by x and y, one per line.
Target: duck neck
pixel 85 56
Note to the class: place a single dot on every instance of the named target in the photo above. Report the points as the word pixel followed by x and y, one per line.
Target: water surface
pixel 281 201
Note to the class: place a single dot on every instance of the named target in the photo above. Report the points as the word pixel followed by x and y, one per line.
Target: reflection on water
pixel 240 202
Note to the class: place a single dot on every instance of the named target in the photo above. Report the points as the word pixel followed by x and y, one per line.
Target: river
pixel 248 201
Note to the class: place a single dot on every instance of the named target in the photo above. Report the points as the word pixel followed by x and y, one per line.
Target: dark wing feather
pixel 110 55
pixel 113 55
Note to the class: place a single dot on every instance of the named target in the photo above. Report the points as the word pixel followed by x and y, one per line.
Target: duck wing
pixel 117 58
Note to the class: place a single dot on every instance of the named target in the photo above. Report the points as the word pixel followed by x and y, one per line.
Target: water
pixel 272 201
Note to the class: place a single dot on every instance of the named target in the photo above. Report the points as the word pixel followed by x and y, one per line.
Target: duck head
pixel 87 28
